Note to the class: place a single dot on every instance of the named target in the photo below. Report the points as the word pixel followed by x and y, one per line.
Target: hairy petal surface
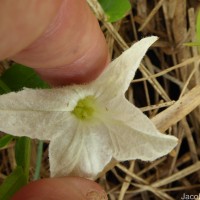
pixel 56 99
pixel 131 129
pixel 122 110
pixel 33 124
pixel 131 144
pixel 83 151
pixel 117 76
pixel 39 113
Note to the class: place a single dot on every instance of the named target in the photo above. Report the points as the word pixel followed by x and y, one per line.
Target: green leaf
pixel 19 76
pixel 3 87
pixel 5 140
pixel 115 9
pixel 12 184
pixel 22 154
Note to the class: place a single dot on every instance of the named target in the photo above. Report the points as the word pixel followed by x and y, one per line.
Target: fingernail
pixel 96 195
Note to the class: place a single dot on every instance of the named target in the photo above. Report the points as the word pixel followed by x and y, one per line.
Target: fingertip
pixel 72 50
pixel 75 73
pixel 23 22
pixel 71 188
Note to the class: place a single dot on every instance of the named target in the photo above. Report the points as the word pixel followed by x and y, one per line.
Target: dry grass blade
pixel 145 186
pixel 126 183
pixel 160 105
pixel 178 110
pixel 181 174
pixel 131 174
pixel 150 16
pixel 163 72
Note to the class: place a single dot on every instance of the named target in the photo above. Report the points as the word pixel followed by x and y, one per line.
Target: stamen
pixel 85 108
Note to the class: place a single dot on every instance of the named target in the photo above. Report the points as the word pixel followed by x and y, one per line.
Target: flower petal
pixel 131 144
pixel 118 75
pixel 134 135
pixel 34 124
pixel 56 99
pixel 38 113
pixel 83 151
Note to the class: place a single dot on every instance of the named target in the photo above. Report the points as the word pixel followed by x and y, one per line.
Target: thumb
pixel 71 50
pixel 71 188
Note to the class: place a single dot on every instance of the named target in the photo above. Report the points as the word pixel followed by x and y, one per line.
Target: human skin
pixel 70 188
pixel 62 41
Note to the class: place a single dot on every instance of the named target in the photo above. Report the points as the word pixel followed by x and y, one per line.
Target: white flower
pixel 88 125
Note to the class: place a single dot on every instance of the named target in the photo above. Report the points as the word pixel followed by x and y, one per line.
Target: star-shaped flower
pixel 88 125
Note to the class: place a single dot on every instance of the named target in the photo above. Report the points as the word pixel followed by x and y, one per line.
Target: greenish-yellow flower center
pixel 85 108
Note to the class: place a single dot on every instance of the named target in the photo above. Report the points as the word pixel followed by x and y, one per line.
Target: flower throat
pixel 85 108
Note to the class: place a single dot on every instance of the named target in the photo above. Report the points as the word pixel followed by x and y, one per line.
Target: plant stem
pixel 38 161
